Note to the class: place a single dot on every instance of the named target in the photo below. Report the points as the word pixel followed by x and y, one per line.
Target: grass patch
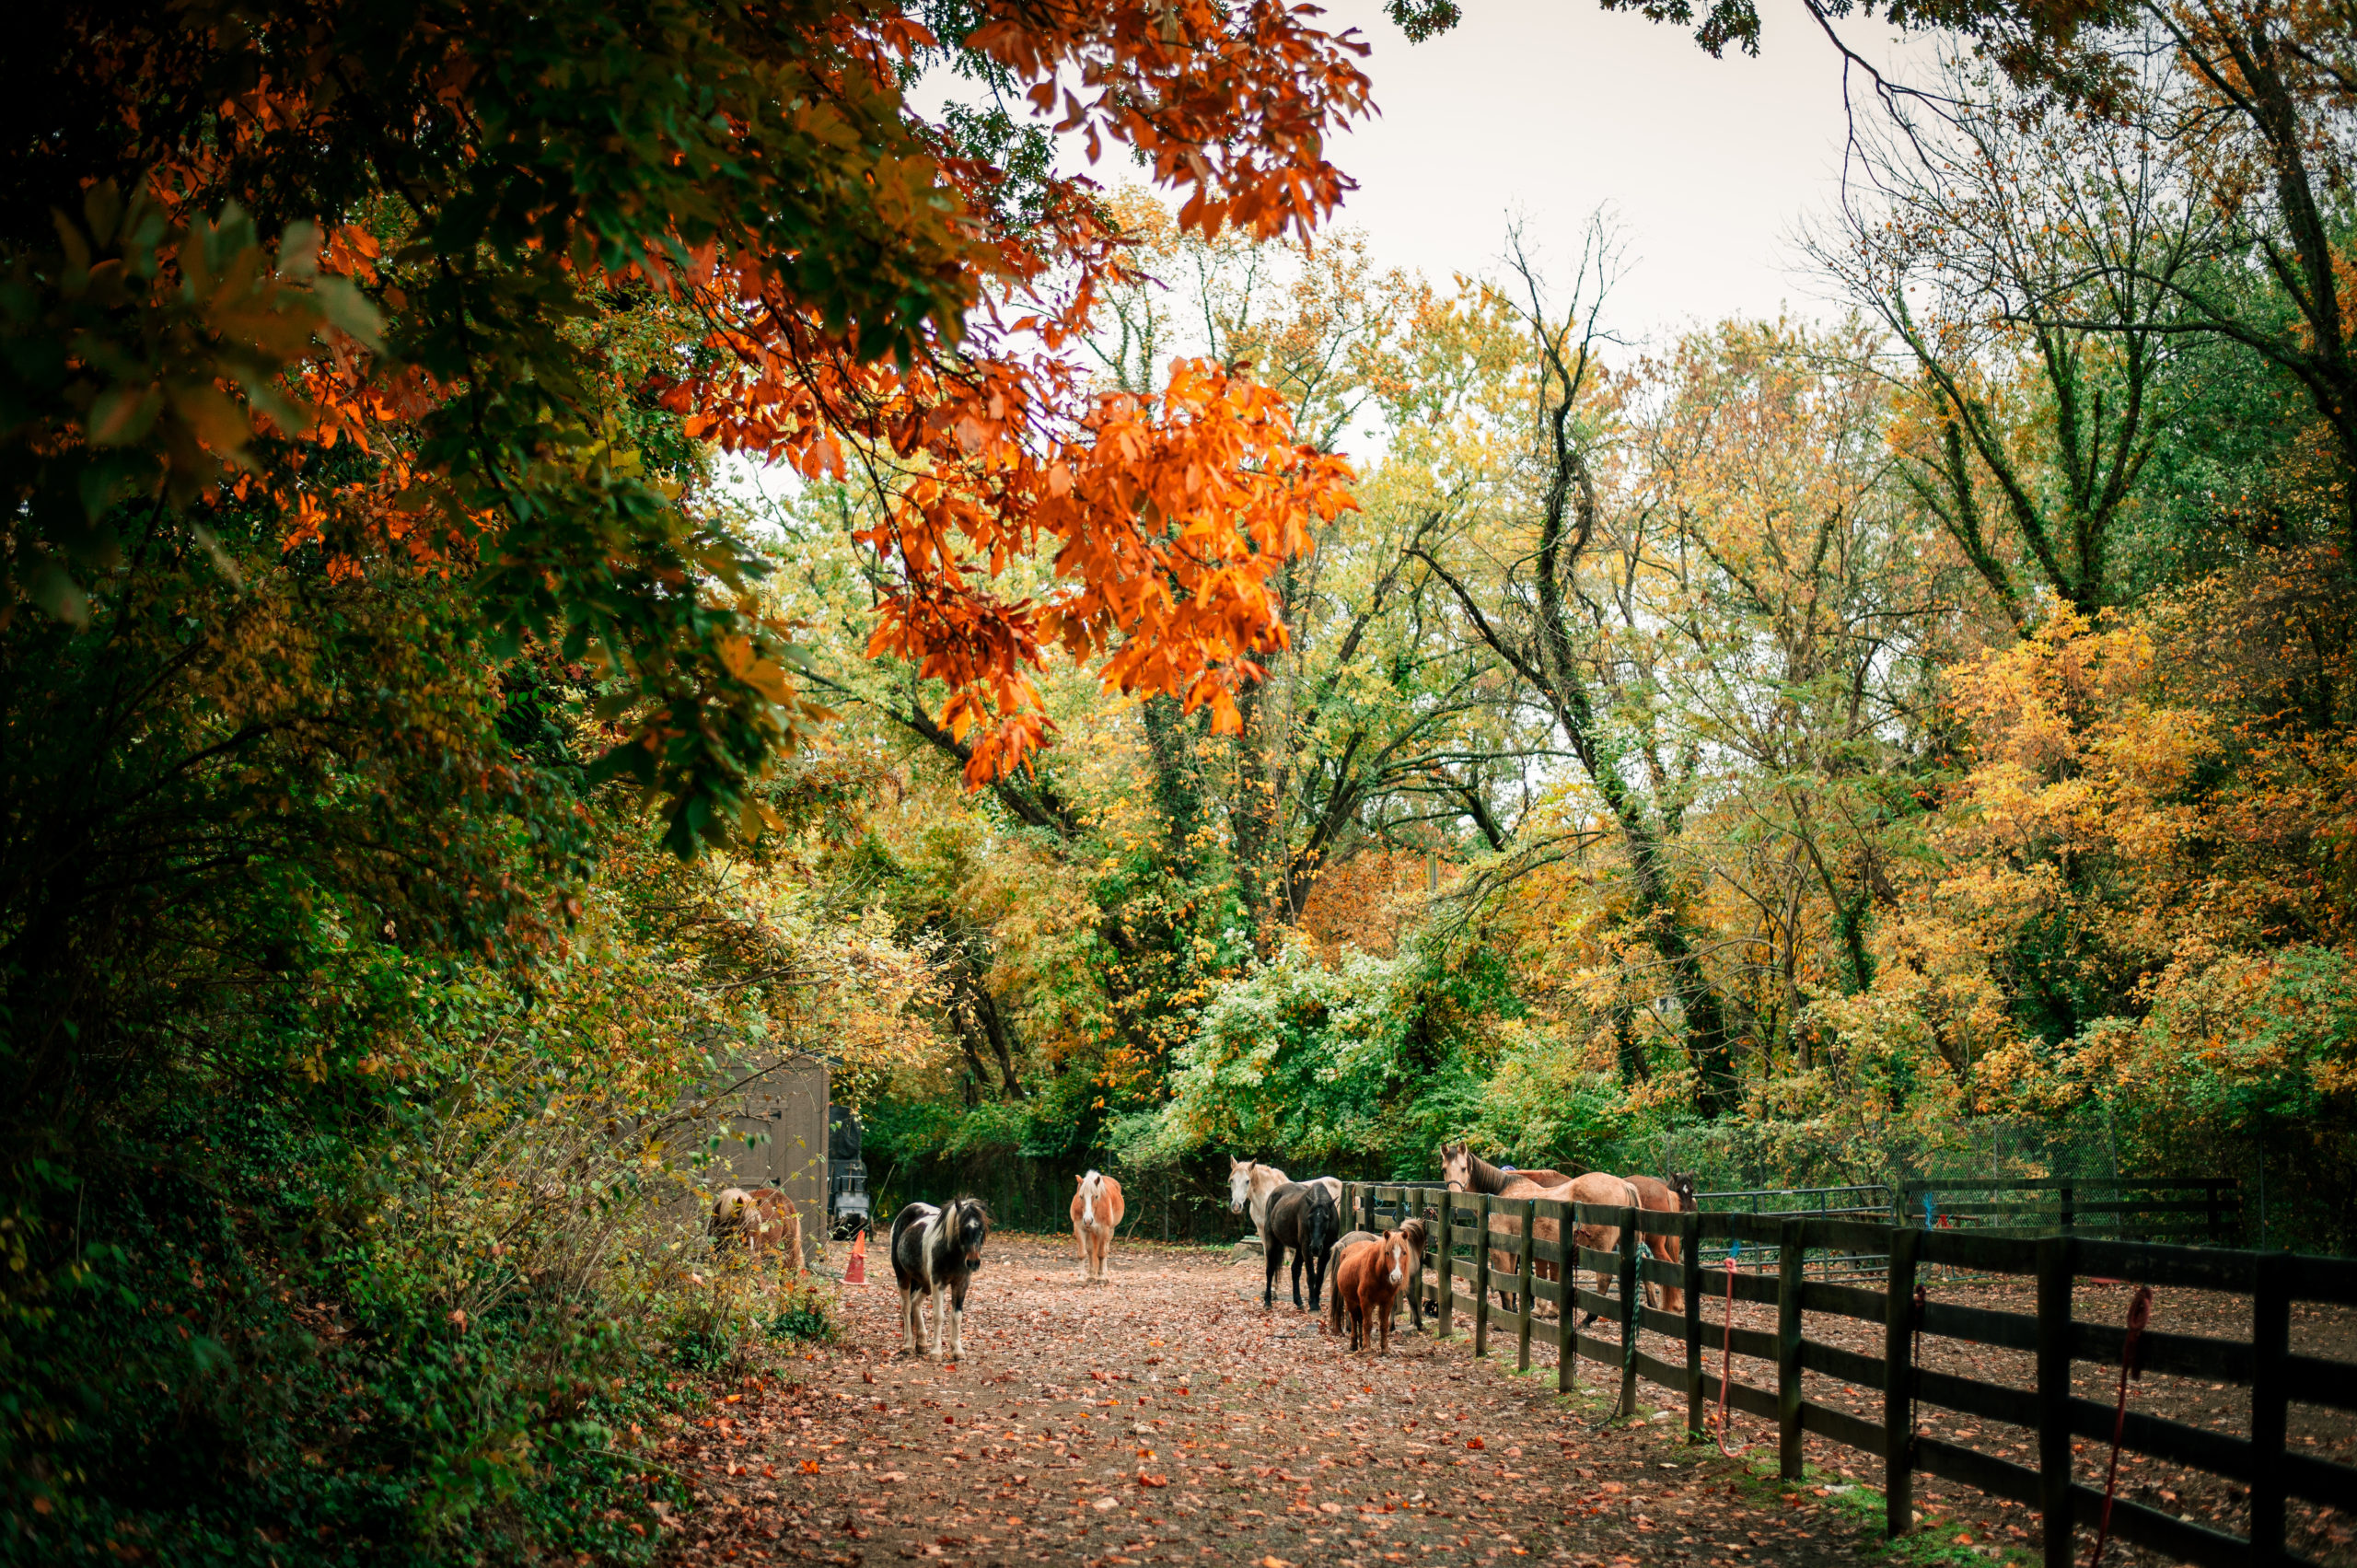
pixel 1933 1544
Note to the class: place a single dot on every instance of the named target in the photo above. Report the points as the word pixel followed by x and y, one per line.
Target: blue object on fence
pixel 1931 1220
pixel 1735 1247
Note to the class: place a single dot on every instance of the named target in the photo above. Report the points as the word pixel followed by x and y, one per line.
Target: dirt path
pixel 1164 1418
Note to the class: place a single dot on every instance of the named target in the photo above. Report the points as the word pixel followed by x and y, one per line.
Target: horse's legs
pixel 1275 1260
pixel 957 1321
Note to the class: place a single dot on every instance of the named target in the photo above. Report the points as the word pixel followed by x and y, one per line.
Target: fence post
pixel 2070 1209
pixel 2209 1195
pixel 1690 1239
pixel 1790 1254
pixel 2055 1257
pixel 1899 1386
pixel 1445 1252
pixel 1481 1275
pixel 1522 1279
pixel 1629 1289
pixel 1567 1334
pixel 2270 1345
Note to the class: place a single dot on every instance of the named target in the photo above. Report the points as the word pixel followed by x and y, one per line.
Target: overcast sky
pixel 1544 109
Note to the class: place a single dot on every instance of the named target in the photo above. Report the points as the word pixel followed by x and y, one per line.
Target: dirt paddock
pixel 1164 1418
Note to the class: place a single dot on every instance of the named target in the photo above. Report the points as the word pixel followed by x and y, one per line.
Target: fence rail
pixel 1530 1250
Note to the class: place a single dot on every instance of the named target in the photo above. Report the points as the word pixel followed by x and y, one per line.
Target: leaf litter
pixel 1163 1417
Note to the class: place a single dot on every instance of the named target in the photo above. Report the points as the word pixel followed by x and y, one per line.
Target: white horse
pixel 1251 1182
pixel 1096 1215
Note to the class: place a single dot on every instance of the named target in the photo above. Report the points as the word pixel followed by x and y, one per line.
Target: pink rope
pixel 1726 1366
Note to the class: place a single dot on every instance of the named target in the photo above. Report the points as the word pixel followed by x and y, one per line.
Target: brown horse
pixel 1367 1283
pixel 1466 1171
pixel 1674 1196
pixel 1417 1237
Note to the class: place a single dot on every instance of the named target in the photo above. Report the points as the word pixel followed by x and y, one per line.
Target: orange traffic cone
pixel 855 1272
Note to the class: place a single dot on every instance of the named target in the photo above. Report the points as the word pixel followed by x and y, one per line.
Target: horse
pixel 762 1217
pixel 936 1250
pixel 1467 1172
pixel 1252 1183
pixel 1495 1174
pixel 1417 1239
pixel 1300 1216
pixel 1598 1187
pixel 1096 1215
pixel 1368 1282
pixel 1674 1196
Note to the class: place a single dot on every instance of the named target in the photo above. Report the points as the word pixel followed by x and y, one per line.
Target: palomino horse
pixel 1096 1215
pixel 763 1218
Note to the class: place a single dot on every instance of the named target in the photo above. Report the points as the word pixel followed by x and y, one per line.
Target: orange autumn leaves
pixel 1168 520
pixel 1165 517
pixel 871 302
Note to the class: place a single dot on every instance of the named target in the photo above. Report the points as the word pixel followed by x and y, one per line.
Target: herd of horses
pixel 1303 1221
pixel 937 1248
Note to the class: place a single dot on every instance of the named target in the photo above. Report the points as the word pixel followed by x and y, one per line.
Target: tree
pixel 366 578
pixel 1999 229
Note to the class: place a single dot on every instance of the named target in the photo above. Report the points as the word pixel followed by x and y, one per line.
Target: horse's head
pixel 1239 1185
pixel 729 1211
pixel 1683 1185
pixel 969 1225
pixel 1411 1235
pixel 1321 1223
pixel 1396 1257
pixel 1457 1166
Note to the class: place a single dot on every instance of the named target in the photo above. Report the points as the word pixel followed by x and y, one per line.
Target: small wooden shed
pixel 766 1125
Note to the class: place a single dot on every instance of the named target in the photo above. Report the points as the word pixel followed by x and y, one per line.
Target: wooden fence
pixel 1515 1228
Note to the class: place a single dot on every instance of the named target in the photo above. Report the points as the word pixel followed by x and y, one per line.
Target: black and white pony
pixel 937 1250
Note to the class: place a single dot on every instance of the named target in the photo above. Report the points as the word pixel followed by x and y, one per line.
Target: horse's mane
pixel 1487 1178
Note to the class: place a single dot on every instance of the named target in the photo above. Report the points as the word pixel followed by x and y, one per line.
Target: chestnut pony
pixel 1368 1279
pixel 1096 1215
pixel 1413 1233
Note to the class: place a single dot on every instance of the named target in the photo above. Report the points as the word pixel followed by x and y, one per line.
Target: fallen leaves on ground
pixel 1164 1418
